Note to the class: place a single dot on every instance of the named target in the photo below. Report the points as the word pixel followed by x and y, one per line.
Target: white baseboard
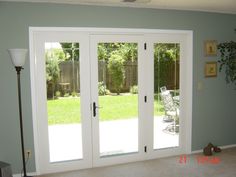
pixel 228 146
pixel 30 174
pixel 193 152
pixel 196 152
pixel 222 147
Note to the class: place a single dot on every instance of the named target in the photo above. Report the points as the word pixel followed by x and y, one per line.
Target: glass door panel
pixel 118 98
pixel 166 95
pixel 62 61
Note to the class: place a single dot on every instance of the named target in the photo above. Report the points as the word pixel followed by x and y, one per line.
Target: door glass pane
pixel 118 98
pixel 166 95
pixel 63 101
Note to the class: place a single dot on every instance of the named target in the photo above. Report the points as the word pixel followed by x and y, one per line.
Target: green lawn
pixel 67 110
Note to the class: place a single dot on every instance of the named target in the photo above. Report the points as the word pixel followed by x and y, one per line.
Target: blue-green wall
pixel 214 107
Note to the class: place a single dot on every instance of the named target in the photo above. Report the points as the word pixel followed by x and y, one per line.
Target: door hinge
pixel 145 99
pixel 145 46
pixel 145 148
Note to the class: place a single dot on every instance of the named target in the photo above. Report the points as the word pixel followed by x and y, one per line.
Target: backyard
pixel 118 98
pixel 66 110
pixel 117 80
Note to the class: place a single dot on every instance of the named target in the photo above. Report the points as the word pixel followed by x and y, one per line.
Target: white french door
pixel 168 58
pixel 117 139
pixel 104 107
pixel 62 146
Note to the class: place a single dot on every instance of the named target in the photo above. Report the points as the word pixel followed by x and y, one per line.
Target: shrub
pixel 58 94
pixel 66 95
pixel 102 89
pixel 74 94
pixel 116 70
pixel 134 89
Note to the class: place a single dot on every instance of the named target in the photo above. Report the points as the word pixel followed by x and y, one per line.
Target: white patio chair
pixel 170 107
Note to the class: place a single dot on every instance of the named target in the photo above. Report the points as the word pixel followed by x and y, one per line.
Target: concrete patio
pixel 116 137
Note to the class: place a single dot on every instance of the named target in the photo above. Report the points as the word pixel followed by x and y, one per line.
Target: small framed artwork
pixel 211 69
pixel 210 48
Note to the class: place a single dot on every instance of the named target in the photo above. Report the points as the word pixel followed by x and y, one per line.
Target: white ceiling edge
pixel 132 5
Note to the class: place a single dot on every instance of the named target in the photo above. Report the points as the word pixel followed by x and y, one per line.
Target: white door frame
pixel 94 40
pixel 34 31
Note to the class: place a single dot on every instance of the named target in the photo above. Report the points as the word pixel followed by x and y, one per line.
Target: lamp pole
pixel 18 57
pixel 18 69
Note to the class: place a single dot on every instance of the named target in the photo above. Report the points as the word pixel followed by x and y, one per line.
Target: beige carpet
pixel 224 165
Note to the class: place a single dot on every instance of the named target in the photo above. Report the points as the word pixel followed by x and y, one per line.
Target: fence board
pixel 70 73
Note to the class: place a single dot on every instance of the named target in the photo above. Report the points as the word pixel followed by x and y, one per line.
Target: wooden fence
pixel 70 76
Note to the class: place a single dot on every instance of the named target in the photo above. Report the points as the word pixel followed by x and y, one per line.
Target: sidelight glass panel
pixel 118 98
pixel 62 63
pixel 166 95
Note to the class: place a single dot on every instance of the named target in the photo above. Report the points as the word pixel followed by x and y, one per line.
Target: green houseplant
pixel 228 60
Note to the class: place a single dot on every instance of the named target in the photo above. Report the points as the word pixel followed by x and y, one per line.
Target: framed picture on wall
pixel 210 47
pixel 211 69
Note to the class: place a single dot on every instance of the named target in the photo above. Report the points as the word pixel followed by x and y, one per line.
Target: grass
pixel 62 111
pixel 67 110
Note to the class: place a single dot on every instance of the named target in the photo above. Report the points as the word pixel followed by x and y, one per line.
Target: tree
pixel 102 52
pixel 71 51
pixel 56 53
pixel 53 56
pixel 52 73
pixel 116 70
pixel 127 50
pixel 167 52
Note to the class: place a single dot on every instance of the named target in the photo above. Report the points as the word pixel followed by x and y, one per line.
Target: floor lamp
pixel 18 57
